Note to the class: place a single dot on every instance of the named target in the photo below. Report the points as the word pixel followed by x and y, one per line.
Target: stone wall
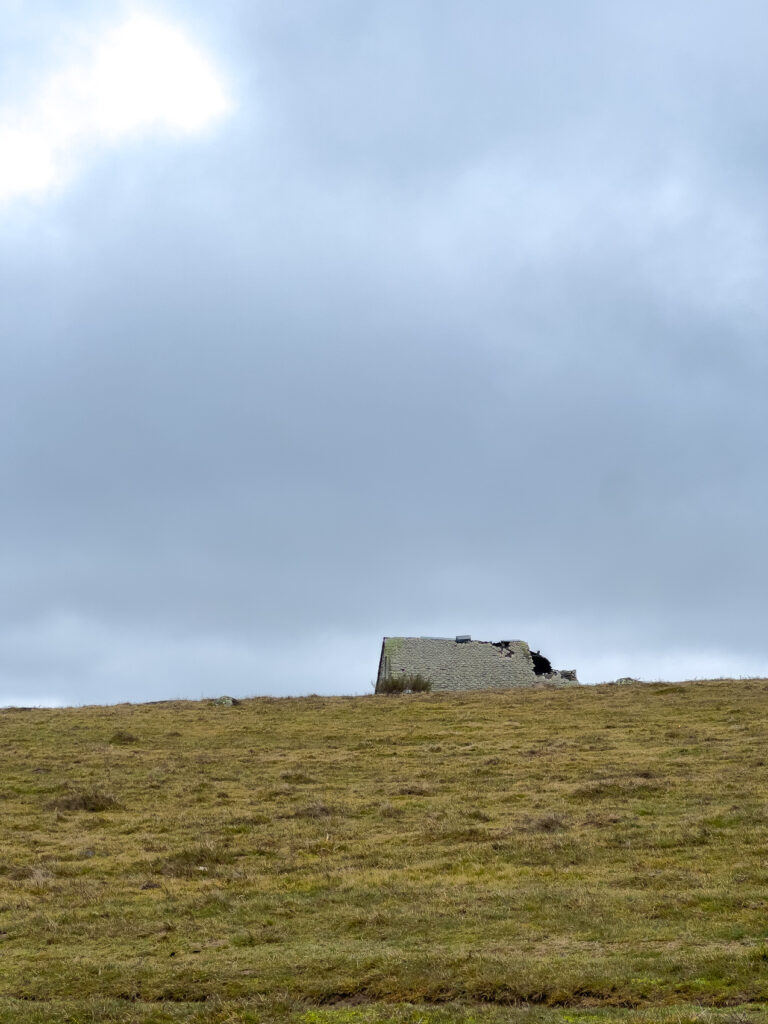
pixel 468 665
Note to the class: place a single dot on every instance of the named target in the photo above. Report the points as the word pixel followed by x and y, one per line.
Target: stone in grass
pixel 225 702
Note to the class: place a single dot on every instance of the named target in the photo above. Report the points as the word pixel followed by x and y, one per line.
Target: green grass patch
pixel 587 854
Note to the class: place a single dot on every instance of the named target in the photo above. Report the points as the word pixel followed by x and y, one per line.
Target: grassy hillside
pixel 424 858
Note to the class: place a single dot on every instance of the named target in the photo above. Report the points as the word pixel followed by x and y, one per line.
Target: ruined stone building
pixel 466 664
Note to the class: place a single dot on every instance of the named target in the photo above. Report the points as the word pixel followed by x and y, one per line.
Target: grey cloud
pixel 458 324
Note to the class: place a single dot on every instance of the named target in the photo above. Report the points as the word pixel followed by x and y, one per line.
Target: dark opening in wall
pixel 505 646
pixel 541 665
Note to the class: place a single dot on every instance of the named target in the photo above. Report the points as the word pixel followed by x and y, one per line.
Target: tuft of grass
pixel 194 861
pixel 296 776
pixel 389 810
pixel 414 788
pixel 395 684
pixel 617 788
pixel 551 822
pixel 123 738
pixel 418 684
pixel 92 800
pixel 405 683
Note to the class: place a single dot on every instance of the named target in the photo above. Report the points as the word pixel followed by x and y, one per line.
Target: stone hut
pixel 466 664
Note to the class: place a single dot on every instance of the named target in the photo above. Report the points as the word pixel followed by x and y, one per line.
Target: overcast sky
pixel 326 320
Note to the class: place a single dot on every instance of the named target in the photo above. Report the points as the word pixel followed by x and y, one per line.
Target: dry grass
pixel 92 800
pixel 576 853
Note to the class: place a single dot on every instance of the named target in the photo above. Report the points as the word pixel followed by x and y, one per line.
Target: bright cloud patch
pixel 144 75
